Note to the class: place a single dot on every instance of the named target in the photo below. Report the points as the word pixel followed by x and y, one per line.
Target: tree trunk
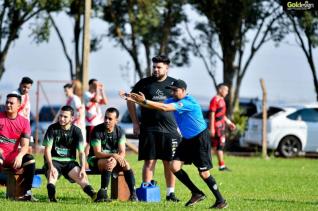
pixel 228 76
pixel 77 34
pixel 314 74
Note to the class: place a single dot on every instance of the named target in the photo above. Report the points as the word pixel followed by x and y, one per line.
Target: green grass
pixel 254 184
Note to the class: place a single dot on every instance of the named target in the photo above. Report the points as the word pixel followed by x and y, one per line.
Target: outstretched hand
pixel 139 98
pixel 126 96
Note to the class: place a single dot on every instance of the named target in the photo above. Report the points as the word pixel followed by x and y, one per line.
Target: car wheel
pixel 289 146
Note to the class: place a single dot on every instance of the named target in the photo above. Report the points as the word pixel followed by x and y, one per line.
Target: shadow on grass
pixel 282 201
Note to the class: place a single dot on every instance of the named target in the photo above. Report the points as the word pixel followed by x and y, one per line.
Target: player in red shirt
pixel 14 131
pixel 218 120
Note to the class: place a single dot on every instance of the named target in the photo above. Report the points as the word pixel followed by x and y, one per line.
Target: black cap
pixel 177 84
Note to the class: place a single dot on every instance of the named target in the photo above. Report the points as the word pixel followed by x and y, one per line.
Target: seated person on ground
pixel 14 131
pixel 61 141
pixel 107 153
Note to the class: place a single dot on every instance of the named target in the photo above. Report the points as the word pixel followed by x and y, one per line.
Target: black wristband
pixel 144 102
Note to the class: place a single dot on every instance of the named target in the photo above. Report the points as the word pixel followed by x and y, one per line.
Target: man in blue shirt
pixel 195 146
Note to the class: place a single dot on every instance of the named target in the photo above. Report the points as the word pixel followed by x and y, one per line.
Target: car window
pixel 306 114
pixel 270 112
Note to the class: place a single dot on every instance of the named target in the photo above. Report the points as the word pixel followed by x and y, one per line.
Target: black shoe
pixel 133 197
pixel 53 199
pixel 195 198
pixel 225 168
pixel 219 205
pixel 27 197
pixel 101 196
pixel 172 197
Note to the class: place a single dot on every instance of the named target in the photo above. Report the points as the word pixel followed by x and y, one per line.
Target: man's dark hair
pixel 15 95
pixel 113 110
pixel 161 59
pixel 68 86
pixel 220 85
pixel 26 80
pixel 90 82
pixel 68 108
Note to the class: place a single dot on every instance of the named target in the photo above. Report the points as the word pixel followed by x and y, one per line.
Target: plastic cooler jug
pixel 148 192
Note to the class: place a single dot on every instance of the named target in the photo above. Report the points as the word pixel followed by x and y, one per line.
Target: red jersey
pixel 218 106
pixel 11 130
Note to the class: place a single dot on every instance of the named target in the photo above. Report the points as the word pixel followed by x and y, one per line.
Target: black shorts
pixel 93 165
pixel 196 150
pixel 63 168
pixel 157 145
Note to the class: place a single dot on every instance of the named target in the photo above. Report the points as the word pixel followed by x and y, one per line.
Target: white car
pixel 290 130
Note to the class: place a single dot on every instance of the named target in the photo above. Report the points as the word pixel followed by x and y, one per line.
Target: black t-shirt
pixel 107 141
pixel 154 120
pixel 64 142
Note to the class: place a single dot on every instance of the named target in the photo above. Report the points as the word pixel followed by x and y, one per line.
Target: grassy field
pixel 254 184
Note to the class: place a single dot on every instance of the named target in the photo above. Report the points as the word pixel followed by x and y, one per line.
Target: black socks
pixel 210 181
pixel 104 179
pixel 89 190
pixel 184 178
pixel 130 179
pixel 51 191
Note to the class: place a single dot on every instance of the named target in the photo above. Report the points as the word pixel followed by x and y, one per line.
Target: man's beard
pixel 158 77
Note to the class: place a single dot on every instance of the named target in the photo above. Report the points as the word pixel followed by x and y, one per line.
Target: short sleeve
pixel 48 137
pixel 26 133
pixel 80 142
pixel 138 86
pixel 95 138
pixel 213 105
pixel 183 105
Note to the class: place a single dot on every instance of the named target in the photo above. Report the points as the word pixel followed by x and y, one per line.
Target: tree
pixel 304 24
pixel 226 32
pixel 13 15
pixel 146 28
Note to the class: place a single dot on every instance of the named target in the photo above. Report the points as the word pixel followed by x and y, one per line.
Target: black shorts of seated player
pixel 63 168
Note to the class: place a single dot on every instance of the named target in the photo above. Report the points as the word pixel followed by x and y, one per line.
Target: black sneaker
pixel 53 199
pixel 101 196
pixel 133 197
pixel 219 205
pixel 172 197
pixel 27 197
pixel 225 168
pixel 195 198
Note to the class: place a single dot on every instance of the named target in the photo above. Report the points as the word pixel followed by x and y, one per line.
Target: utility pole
pixel 86 44
pixel 264 120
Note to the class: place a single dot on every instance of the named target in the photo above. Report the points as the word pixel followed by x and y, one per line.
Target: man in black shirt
pixel 108 153
pixel 157 130
pixel 61 141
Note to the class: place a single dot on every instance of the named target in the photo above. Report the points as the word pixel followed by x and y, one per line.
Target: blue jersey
pixel 188 115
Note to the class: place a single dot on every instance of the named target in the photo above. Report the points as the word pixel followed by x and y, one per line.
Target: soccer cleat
pixel 27 197
pixel 219 205
pixel 53 199
pixel 101 196
pixel 225 168
pixel 172 197
pixel 133 197
pixel 195 198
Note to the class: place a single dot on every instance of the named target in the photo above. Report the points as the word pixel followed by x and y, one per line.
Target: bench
pixel 119 187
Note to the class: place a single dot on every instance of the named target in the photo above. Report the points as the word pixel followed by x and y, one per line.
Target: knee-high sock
pixel 88 189
pixel 184 178
pixel 28 174
pixel 130 179
pixel 210 181
pixel 51 190
pixel 104 179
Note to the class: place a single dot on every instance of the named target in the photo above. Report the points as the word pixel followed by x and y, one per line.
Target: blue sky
pixel 284 69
